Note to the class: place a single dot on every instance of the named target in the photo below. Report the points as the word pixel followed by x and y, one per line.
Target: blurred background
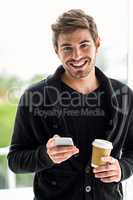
pixel 27 56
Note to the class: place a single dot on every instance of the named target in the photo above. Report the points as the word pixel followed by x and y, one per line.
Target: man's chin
pixel 81 75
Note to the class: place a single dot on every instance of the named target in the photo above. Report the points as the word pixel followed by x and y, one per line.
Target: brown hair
pixel 72 20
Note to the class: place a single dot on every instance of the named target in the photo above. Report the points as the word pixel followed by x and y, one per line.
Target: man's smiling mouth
pixel 78 64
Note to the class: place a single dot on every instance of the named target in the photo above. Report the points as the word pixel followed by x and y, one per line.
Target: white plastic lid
pixel 102 144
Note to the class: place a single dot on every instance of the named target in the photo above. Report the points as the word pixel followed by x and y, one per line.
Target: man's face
pixel 77 52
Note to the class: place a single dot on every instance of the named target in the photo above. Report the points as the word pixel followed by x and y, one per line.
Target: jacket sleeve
pixel 28 146
pixel 126 161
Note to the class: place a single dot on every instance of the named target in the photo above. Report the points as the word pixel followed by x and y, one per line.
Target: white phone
pixel 63 141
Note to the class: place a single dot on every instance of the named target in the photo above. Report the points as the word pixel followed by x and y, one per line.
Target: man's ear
pixel 97 43
pixel 56 49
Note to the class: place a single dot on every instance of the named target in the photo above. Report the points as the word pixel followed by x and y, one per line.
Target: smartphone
pixel 63 141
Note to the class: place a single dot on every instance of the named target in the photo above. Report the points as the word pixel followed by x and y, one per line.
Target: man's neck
pixel 84 85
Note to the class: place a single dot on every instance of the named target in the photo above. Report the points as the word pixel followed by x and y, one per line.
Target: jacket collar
pixel 112 99
pixel 54 80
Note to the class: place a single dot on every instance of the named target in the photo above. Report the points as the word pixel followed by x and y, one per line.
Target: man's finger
pixel 51 143
pixel 54 151
pixel 104 168
pixel 105 174
pixel 109 179
pixel 108 159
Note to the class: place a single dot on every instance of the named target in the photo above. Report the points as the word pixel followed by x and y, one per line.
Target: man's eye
pixel 67 49
pixel 85 45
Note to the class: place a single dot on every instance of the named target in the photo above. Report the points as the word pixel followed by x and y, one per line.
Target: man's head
pixel 71 21
pixel 76 40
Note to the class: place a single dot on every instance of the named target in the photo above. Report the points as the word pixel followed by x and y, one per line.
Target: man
pixel 80 102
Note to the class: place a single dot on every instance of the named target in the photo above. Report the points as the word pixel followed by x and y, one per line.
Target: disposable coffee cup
pixel 100 148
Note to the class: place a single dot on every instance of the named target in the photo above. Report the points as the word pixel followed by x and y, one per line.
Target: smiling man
pixel 77 52
pixel 90 105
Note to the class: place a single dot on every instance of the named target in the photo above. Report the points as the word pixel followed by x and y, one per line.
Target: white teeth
pixel 78 64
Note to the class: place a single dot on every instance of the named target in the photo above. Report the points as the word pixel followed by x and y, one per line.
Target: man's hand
pixel 110 172
pixel 59 154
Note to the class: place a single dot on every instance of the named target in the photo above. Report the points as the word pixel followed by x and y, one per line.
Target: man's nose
pixel 77 54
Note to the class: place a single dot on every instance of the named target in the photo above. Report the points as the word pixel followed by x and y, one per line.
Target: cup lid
pixel 102 144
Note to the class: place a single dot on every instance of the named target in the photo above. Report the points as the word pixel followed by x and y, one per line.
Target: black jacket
pixel 69 180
